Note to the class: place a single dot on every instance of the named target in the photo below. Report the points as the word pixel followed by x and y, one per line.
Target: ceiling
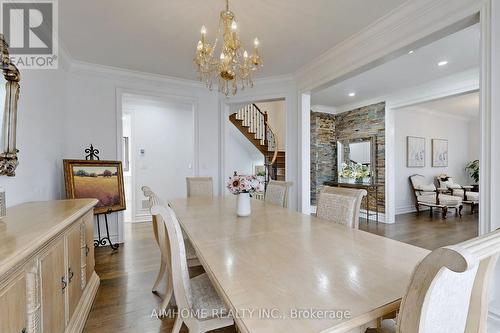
pixel 159 36
pixel 461 50
pixel 464 106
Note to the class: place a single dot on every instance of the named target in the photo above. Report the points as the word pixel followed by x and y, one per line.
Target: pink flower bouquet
pixel 244 184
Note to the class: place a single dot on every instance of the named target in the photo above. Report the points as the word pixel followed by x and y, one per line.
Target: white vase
pixel 244 208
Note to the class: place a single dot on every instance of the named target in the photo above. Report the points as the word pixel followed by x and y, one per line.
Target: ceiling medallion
pixel 234 65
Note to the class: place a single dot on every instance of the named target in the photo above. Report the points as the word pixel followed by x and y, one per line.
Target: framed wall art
pixel 415 152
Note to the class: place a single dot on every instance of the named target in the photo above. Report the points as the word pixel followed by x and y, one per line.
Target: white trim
pixel 406 209
pixel 116 72
pixel 304 147
pixel 324 109
pixel 393 34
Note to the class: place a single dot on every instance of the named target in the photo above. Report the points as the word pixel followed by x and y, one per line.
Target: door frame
pixel 160 96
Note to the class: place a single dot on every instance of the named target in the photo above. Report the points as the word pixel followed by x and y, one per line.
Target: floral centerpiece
pixel 243 186
pixel 356 171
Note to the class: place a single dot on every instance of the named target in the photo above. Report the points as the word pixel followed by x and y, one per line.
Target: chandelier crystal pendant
pixel 233 65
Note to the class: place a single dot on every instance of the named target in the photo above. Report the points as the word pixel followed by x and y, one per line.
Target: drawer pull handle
pixel 64 284
pixel 23 330
pixel 87 250
pixel 71 274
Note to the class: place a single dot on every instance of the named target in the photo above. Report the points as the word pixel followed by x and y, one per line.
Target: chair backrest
pixel 277 193
pixel 340 205
pixel 170 233
pixel 448 291
pixel 419 185
pixel 200 186
pixel 153 199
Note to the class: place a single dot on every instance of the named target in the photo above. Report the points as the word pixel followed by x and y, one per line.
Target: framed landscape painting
pixel 439 153
pixel 101 180
pixel 415 152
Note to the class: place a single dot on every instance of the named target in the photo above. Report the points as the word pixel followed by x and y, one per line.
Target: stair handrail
pixel 275 155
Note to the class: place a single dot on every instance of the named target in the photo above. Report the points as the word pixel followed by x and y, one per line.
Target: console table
pixel 372 192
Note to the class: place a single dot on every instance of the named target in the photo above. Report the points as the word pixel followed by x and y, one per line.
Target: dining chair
pixel 200 186
pixel 199 306
pixel 448 291
pixel 164 255
pixel 340 205
pixel 277 193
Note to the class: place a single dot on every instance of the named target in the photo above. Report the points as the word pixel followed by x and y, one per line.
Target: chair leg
pixel 417 207
pixel 159 277
pixel 460 210
pixel 445 213
pixel 168 295
pixel 177 324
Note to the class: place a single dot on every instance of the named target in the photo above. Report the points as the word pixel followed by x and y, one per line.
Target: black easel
pixel 91 156
pixel 104 240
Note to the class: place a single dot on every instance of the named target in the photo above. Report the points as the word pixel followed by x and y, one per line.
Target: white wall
pixel 277 119
pixel 40 137
pixel 242 156
pixel 412 121
pixel 166 133
pixel 93 99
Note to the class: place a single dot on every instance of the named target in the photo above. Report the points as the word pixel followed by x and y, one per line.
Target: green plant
pixel 261 173
pixel 473 170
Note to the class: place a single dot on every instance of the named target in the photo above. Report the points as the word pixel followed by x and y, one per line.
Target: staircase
pixel 252 123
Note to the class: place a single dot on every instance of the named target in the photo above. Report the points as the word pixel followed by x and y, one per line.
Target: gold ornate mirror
pixel 10 95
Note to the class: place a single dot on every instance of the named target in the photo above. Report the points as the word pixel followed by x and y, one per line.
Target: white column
pixel 305 153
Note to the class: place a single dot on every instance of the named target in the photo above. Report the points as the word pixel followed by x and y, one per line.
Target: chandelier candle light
pixel 234 66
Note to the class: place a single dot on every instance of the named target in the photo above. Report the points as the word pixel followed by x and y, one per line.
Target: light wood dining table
pixel 282 271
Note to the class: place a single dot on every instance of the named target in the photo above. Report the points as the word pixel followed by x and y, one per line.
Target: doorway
pixel 158 150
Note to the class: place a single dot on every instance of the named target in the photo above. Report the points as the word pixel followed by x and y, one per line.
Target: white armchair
pixel 465 192
pixel 430 196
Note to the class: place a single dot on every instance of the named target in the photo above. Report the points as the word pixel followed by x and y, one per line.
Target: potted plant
pixel 243 186
pixel 473 170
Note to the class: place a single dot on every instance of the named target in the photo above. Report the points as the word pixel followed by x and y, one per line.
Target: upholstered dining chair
pixel 200 186
pixel 448 291
pixel 199 305
pixel 340 205
pixel 277 193
pixel 164 254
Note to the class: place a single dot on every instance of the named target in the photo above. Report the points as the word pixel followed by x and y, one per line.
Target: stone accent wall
pixel 323 151
pixel 326 129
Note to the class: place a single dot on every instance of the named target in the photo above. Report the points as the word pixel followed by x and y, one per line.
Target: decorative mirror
pixel 359 151
pixel 10 95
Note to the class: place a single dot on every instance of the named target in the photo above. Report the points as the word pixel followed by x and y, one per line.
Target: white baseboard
pixel 494 320
pixel 139 218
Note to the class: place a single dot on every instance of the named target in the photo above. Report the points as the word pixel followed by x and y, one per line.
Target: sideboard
pixel 47 277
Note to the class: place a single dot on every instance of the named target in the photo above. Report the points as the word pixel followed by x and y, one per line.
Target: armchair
pixel 429 196
pixel 465 192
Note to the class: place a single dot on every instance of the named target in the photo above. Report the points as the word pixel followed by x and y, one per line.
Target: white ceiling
pixel 159 36
pixel 464 106
pixel 460 49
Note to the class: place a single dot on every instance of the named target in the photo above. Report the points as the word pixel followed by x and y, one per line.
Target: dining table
pixel 278 270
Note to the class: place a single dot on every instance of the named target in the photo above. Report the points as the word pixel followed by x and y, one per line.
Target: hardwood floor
pixel 124 302
pixel 426 231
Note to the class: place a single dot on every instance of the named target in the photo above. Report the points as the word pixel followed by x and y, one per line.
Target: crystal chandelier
pixel 234 65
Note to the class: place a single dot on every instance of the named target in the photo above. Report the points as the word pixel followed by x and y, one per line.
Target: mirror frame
pixel 8 152
pixel 373 153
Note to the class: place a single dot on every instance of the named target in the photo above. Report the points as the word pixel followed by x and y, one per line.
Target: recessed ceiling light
pixel 352 94
pixel 443 63
pixel 411 52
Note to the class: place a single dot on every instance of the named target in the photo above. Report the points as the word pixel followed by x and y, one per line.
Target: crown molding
pixel 127 74
pixel 412 22
pixel 324 109
pixel 442 114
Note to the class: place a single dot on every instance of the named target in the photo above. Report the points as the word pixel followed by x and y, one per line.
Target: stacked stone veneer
pixel 327 129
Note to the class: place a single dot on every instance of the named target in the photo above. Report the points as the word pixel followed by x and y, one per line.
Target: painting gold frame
pixel 117 193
